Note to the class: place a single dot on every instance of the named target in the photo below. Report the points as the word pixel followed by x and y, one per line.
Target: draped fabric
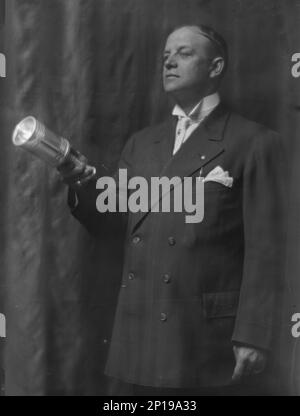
pixel 91 71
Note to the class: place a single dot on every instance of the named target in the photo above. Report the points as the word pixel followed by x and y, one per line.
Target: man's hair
pixel 215 38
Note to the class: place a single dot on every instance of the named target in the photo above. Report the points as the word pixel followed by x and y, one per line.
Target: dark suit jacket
pixel 189 291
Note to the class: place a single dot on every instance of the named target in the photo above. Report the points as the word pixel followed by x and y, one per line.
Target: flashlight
pixel 30 134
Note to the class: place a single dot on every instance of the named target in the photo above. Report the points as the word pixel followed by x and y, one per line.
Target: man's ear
pixel 217 67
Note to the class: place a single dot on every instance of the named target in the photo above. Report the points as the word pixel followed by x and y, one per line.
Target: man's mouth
pixel 172 76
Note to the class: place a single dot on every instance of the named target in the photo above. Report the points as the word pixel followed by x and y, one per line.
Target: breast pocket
pixel 212 186
pixel 214 199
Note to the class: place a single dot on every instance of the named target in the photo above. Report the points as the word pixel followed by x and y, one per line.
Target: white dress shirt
pixel 188 123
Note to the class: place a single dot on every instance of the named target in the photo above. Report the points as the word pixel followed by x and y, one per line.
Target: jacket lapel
pixel 204 145
pixel 163 146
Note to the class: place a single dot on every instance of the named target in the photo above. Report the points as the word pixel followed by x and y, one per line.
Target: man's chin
pixel 171 88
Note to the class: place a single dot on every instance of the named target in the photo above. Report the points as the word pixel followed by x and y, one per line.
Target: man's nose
pixel 170 62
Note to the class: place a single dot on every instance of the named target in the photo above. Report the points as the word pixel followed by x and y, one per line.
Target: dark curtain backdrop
pixel 90 70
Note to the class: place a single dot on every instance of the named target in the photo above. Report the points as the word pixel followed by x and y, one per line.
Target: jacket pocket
pixel 220 304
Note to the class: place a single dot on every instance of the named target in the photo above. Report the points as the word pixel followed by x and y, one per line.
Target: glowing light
pixel 24 131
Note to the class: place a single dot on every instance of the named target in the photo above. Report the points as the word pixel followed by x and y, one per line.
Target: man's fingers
pixel 78 180
pixel 240 370
pixel 258 366
pixel 67 169
pixel 73 173
pixel 249 361
pixel 79 156
pixel 89 173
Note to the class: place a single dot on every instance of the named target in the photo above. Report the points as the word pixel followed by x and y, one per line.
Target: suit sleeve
pixel 264 208
pixel 82 203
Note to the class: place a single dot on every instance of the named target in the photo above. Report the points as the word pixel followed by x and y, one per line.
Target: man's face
pixel 186 62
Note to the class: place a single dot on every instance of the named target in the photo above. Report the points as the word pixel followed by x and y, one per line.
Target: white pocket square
pixel 220 176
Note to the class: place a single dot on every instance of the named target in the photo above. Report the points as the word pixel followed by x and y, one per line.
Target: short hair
pixel 216 39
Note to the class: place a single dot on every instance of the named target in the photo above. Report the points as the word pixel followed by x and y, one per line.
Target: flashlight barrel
pixel 33 136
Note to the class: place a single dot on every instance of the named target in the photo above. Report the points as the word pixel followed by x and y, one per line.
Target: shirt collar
pixel 201 109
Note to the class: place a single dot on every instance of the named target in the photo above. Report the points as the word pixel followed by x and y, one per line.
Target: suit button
pixel 131 276
pixel 166 278
pixel 163 317
pixel 172 241
pixel 136 240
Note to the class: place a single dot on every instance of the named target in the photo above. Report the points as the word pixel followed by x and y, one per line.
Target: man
pixel 197 303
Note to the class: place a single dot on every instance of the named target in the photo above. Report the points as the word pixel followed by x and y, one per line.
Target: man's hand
pixel 249 361
pixel 79 175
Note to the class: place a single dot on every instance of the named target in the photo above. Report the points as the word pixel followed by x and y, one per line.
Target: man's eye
pixel 185 53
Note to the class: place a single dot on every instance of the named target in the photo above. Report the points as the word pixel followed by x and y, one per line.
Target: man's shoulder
pixel 250 133
pixel 248 126
pixel 238 127
pixel 251 140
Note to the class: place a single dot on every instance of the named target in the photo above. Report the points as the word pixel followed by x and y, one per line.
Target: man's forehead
pixel 186 36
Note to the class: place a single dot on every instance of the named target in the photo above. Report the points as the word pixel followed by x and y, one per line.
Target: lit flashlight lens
pixel 24 131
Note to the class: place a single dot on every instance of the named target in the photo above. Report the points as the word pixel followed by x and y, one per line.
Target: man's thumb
pixel 239 370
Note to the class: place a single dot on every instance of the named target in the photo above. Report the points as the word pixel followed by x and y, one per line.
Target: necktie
pixel 183 124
